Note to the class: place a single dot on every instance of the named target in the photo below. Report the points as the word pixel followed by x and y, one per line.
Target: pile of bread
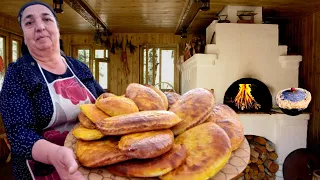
pixel 149 133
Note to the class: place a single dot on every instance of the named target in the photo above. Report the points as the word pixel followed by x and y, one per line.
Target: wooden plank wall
pixel 7 23
pixel 303 37
pixel 8 29
pixel 117 81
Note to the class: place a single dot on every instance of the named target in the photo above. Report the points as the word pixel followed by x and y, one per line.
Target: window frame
pixel 6 57
pixel 176 75
pixel 79 47
pixel 96 66
pixel 19 41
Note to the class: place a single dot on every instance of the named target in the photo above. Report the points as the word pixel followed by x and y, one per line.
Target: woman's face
pixel 40 28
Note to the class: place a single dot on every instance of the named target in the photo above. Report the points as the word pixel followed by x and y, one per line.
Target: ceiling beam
pixel 84 10
pixel 188 14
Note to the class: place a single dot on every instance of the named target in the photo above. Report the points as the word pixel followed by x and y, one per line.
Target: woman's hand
pixel 62 158
pixel 64 162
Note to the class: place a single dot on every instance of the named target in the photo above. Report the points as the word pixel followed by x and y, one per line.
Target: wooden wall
pixel 303 37
pixel 117 81
pixel 9 29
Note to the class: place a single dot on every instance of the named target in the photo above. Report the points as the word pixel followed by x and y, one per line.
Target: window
pixel 158 67
pixel 96 59
pixel 84 56
pixel 15 53
pixel 167 67
pixel 100 67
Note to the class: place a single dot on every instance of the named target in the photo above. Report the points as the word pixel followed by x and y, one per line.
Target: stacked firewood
pixel 262 165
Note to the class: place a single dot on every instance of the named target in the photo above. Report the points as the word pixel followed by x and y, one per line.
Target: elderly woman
pixel 40 99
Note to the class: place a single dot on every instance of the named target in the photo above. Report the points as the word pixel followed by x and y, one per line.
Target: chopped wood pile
pixel 262 165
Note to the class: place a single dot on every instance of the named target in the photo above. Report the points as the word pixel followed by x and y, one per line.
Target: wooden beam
pixel 10 24
pixel 190 11
pixel 84 10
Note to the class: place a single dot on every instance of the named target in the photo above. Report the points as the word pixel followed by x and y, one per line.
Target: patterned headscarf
pixel 34 3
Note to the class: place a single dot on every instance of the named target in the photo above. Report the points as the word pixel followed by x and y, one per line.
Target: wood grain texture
pixel 204 18
pixel 155 16
pixel 282 9
pixel 9 30
pixel 190 11
pixel 140 16
pixel 69 20
pixel 303 37
pixel 117 81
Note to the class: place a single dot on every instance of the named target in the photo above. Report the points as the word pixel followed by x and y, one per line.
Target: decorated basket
pixel 293 101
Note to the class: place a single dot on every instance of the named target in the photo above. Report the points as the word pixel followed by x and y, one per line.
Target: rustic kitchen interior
pixel 256 48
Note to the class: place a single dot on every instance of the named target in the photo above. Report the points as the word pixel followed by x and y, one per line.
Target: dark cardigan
pixel 26 106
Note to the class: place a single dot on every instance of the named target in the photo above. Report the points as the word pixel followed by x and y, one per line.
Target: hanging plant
pixel 124 61
pixel 117 44
pixel 112 50
pixel 132 47
pixel 107 43
pixel 120 45
pixel 97 37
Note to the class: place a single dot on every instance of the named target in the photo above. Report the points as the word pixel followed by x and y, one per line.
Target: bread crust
pixel 147 144
pixel 193 108
pixel 172 98
pixel 117 105
pixel 99 153
pixel 86 134
pixel 93 112
pixel 144 97
pixel 229 121
pixel 161 94
pixel 151 167
pixel 85 121
pixel 209 149
pixel 138 122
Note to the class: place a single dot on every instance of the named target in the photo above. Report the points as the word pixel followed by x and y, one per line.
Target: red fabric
pixel 69 89
pixel 55 136
pixel 1 64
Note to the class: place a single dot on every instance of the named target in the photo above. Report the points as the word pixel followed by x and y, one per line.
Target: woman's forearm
pixel 43 151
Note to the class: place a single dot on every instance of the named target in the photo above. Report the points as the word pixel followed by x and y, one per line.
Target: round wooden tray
pixel 236 164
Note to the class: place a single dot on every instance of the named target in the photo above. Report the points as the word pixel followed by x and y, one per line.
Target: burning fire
pixel 244 98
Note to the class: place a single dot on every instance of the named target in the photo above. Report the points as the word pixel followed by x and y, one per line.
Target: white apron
pixel 66 94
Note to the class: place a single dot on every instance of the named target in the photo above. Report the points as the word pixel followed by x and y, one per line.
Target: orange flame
pixel 244 98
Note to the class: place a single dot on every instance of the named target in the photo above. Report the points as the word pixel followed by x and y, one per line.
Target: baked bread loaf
pixel 229 121
pixel 222 111
pixel 117 105
pixel 194 107
pixel 151 167
pixel 105 95
pixel 144 97
pixel 172 98
pixel 92 112
pixel 85 121
pixel 99 153
pixel 86 134
pixel 209 149
pixel 161 94
pixel 147 144
pixel 138 122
